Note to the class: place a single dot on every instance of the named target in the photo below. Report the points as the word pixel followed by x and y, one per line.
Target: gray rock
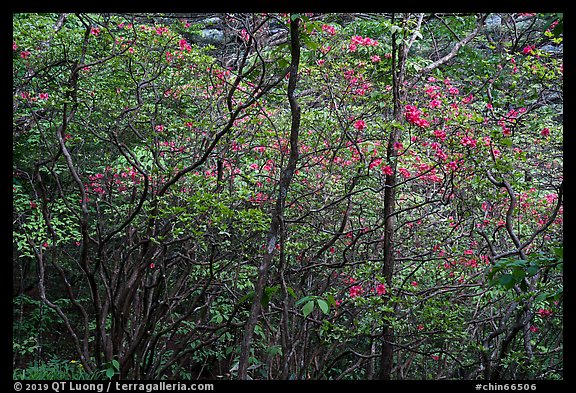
pixel 493 21
pixel 210 37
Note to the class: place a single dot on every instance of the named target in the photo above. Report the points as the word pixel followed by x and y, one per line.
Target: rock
pixel 212 36
pixel 493 22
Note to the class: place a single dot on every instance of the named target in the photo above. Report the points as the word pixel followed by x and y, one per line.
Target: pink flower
pixel 404 172
pixel 467 141
pixel 33 205
pixel 435 357
pixel 398 146
pixel 527 49
pixel 489 106
pixel 453 91
pixel 14 46
pixel 380 289
pixel 468 99
pixel 453 165
pixel 320 62
pixel 43 96
pixel 161 30
pixel 24 54
pixel 356 290
pixel 414 284
pixel 545 132
pixel 375 163
pixel 159 128
pixel 533 329
pixel 329 29
pixel 420 327
pixel 387 170
pixel 359 125
pixel 544 313
pixel 95 31
pixel 184 45
pixel 435 103
pixel 254 166
pixel 375 58
pixel 440 135
pixel 551 197
pixel 152 265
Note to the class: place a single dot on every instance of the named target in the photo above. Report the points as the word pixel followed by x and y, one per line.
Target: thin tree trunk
pixel 277 213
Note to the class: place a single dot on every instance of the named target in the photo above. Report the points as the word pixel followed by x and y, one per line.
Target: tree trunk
pixel 277 213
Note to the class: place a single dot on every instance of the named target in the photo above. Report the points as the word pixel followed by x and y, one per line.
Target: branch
pixel 452 53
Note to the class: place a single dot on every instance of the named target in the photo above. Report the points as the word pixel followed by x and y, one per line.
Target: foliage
pixel 421 226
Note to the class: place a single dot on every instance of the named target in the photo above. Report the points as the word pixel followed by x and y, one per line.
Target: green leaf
pixel 116 364
pixel 559 253
pixel 304 299
pixel 283 63
pixel 269 292
pixel 331 300
pixel 248 296
pixel 291 292
pixel 518 274
pixel 323 306
pixel 109 372
pixel 308 308
pixel 507 281
pixel 532 270
pixel 541 297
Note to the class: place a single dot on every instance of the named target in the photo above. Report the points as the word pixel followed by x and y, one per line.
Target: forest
pixel 287 196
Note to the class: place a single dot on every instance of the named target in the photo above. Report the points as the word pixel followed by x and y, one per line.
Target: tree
pixel 315 196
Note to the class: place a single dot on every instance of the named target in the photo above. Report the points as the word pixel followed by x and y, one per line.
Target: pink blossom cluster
pixel 329 29
pixel 358 85
pixel 412 115
pixel 468 141
pixel 544 313
pixel 357 40
pixel 102 183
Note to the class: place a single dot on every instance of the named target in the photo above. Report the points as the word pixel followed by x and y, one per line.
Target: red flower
pixel 533 329
pixel 380 289
pixel 544 313
pixel 329 29
pixel 545 132
pixel 420 327
pixel 387 170
pixel 527 49
pixel 152 265
pixel 359 125
pixel 356 290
